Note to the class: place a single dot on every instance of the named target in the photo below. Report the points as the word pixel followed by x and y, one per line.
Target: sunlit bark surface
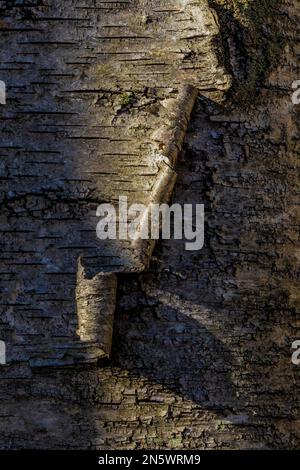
pixel 202 341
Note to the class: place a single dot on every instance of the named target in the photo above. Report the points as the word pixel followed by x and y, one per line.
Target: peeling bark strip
pixel 170 139
pixel 96 296
pixel 96 301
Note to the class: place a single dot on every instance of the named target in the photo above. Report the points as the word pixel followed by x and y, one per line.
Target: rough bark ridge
pixel 201 354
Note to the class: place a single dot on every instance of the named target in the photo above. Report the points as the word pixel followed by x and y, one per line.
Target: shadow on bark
pixel 176 351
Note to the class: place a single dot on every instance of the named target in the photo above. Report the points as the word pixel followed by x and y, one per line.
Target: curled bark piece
pixel 96 293
pixel 96 301
pixel 171 136
pixel 161 193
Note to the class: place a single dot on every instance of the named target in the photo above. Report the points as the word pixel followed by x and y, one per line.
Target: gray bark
pixel 201 352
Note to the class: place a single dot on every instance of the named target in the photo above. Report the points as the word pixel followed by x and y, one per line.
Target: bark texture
pixel 202 341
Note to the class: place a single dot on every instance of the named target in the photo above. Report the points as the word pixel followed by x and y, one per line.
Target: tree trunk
pixel 202 340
